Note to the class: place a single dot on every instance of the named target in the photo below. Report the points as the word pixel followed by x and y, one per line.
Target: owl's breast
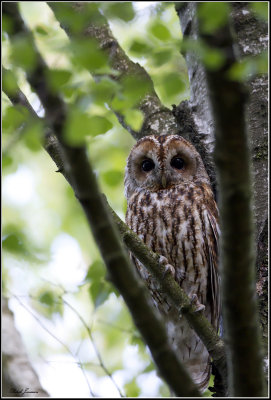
pixel 173 223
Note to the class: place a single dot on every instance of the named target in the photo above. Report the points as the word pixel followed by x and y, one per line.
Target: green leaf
pixel 119 10
pixel 195 46
pixel 134 89
pixel 213 59
pixel 7 24
pixel 104 90
pixel 99 292
pixel 57 78
pixel 13 118
pixel 149 368
pixel 32 134
pixel 99 125
pixel 161 57
pixel 96 271
pixel 136 339
pixel 160 31
pixel 249 67
pixel 13 243
pixel 87 54
pixel 134 118
pixel 47 298
pixel 7 161
pixel 207 392
pixel 139 47
pixel 79 125
pixel 132 389
pixel 16 242
pixel 9 82
pixel 79 20
pixel 260 8
pixel 173 84
pixel 23 53
pixel 113 178
pixel 213 15
pixel 41 30
pixel 49 302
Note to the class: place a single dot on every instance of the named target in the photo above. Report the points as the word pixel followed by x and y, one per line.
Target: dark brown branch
pixel 122 273
pixel 232 158
pixel 178 297
pixel 158 119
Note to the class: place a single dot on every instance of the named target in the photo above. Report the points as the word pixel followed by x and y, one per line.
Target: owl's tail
pixel 200 372
pixel 193 353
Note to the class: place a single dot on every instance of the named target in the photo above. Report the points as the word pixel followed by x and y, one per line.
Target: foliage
pixel 50 257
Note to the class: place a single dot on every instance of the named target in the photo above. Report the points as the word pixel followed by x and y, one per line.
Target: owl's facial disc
pixel 161 163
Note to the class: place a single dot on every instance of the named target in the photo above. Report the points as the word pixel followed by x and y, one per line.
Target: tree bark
pixel 252 38
pixel 195 116
pixel 19 377
pixel 256 118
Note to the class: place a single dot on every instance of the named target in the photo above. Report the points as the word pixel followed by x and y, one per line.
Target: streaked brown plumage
pixel 172 209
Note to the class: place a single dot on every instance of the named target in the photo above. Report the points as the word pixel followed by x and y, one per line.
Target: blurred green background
pixel 77 330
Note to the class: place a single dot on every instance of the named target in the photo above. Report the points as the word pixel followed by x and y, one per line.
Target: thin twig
pixel 77 362
pixel 98 354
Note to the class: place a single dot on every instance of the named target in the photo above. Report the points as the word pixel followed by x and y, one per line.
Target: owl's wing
pixel 213 265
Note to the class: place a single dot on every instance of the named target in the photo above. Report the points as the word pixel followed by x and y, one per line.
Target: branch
pixel 158 120
pixel 232 159
pixel 122 273
pixel 177 295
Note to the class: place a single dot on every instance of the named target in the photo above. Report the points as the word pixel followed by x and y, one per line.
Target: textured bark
pixel 195 116
pixel 252 38
pixel 19 377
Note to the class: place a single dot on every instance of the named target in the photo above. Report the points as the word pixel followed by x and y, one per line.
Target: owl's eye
pixel 177 162
pixel 147 165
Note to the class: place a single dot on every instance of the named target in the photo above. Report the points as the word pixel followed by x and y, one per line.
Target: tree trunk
pixel 19 377
pixel 252 39
pixel 195 116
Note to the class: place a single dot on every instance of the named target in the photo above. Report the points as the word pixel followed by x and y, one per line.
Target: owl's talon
pixel 169 269
pixel 163 260
pixel 195 302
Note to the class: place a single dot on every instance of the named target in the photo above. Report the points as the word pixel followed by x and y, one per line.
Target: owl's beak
pixel 164 181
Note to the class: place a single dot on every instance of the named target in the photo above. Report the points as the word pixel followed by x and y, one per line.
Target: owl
pixel 170 206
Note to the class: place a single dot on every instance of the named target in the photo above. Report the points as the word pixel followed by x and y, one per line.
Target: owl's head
pixel 162 162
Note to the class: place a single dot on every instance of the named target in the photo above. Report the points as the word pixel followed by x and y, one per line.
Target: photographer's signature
pixel 22 391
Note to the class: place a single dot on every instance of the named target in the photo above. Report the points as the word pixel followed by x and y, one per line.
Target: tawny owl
pixel 172 209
